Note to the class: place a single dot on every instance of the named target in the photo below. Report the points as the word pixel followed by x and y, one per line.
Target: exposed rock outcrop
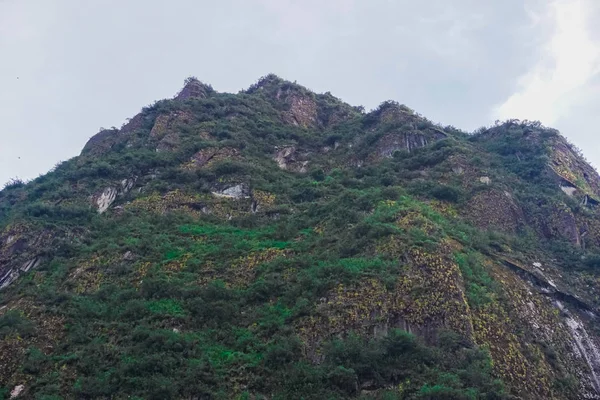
pixel 568 190
pixel 392 112
pixel 25 247
pixel 298 105
pixel 302 109
pixel 193 88
pixel 495 209
pixel 555 220
pixel 101 142
pixel 103 200
pixel 390 143
pixel 134 124
pixel 398 128
pixel 371 307
pixel 226 202
pixel 485 180
pixel 290 159
pixel 210 155
pixel 239 191
pixel 572 169
pixel 564 161
pixel 166 132
pixel 333 111
pixel 584 345
pixel 16 392
pixel 168 123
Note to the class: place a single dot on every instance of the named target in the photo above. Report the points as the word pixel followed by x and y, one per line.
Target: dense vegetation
pixel 307 284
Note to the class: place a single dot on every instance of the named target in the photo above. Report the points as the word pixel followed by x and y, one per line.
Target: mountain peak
pixel 194 88
pixel 276 87
pixel 530 142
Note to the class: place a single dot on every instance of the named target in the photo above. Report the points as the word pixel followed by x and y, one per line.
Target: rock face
pixel 302 110
pixel 585 345
pixel 569 190
pixel 203 157
pixel 109 139
pixel 567 226
pixel 208 156
pixel 168 123
pixel 105 199
pixel 285 156
pixel 101 142
pixel 555 220
pixel 194 89
pixel 166 133
pixel 332 111
pixel 398 129
pixel 127 185
pixel 134 124
pixel 569 166
pixel 288 158
pixel 23 248
pixel 543 299
pixel 389 144
pixel 495 209
pixel 566 164
pixel 297 105
pixel 164 128
pixel 392 112
pixel 239 191
pixel 16 392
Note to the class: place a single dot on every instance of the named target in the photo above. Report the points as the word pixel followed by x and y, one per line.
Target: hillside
pixel 282 244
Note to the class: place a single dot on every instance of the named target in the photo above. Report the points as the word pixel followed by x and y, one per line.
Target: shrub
pixel 229 168
pixel 14 322
pixel 14 183
pixel 166 307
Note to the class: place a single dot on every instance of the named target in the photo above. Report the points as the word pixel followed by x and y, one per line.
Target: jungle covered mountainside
pixel 282 244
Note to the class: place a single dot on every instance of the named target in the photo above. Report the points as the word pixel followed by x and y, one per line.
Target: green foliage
pixel 13 322
pixel 517 144
pixel 479 284
pixel 35 361
pixel 403 360
pixel 166 307
pixel 14 183
pixel 446 193
pixel 218 298
pixel 72 214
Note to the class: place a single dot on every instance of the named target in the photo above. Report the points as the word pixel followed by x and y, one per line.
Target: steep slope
pixel 278 243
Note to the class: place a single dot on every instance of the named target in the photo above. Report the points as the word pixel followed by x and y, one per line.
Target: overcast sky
pixel 69 67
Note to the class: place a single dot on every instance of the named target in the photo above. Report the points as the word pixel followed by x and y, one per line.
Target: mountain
pixel 281 244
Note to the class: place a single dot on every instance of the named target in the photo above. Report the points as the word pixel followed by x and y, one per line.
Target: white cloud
pixel 306 17
pixel 570 60
pixel 451 34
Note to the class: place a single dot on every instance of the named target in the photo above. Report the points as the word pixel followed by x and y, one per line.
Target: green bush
pixel 14 183
pixel 13 322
